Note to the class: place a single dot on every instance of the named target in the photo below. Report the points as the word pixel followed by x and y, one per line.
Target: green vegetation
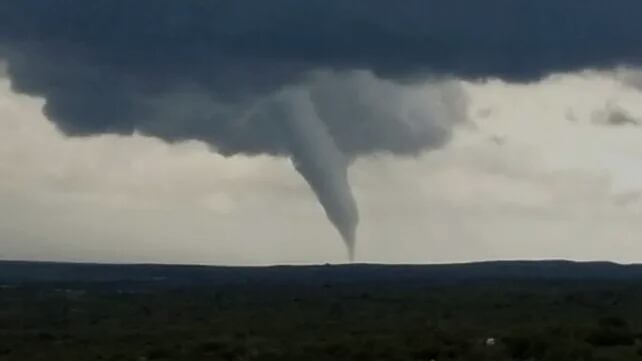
pixel 481 320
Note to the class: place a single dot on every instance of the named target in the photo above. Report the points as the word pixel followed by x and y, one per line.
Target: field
pixel 495 311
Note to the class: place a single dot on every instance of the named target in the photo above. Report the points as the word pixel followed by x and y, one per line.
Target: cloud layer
pixel 112 66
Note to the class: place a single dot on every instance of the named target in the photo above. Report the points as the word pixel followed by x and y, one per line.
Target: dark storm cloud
pixel 99 62
pixel 316 80
pixel 514 39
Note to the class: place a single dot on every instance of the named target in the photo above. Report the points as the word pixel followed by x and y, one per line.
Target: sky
pixel 270 154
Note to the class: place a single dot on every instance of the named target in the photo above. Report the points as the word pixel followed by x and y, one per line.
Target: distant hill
pixel 20 272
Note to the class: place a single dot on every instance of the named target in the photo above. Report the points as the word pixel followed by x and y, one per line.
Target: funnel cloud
pixel 317 158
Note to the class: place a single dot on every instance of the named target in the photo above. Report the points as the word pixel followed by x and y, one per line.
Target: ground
pixel 412 319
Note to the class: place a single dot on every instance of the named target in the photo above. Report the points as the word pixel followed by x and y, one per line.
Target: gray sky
pixel 537 171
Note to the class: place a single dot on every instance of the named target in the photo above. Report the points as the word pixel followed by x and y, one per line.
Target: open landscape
pixel 320 180
pixel 485 311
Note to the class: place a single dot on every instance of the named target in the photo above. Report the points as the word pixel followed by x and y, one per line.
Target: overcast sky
pixel 537 172
pixel 252 132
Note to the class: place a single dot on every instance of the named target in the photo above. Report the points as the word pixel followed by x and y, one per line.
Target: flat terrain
pixel 488 311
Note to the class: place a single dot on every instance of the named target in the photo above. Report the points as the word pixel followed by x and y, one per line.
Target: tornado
pixel 315 155
pixel 242 78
